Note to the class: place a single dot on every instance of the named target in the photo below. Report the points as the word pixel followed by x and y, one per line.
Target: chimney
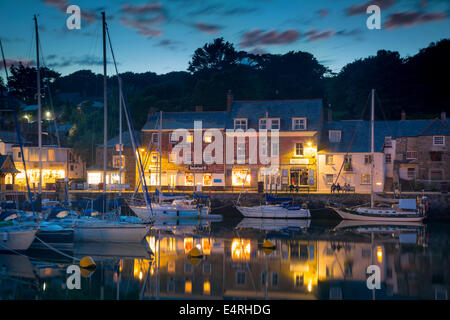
pixel 403 115
pixel 198 108
pixel 330 114
pixel 443 116
pixel 229 100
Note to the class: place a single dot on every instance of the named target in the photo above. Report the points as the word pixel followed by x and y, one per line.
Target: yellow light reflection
pixel 188 286
pixel 380 254
pixel 206 245
pixel 207 288
pixel 188 244
pixel 240 249
pixel 140 268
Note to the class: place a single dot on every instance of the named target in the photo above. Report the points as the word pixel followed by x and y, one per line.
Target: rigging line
pixel 50 96
pixel 56 250
pixel 353 138
pixel 383 113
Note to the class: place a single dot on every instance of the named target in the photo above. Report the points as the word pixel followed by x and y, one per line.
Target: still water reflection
pixel 311 260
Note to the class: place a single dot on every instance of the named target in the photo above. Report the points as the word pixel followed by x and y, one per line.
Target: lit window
pixel 365 178
pixel 240 249
pixel 207 180
pixel 190 138
pixel 240 124
pixel 154 156
pixel 208 138
pixel 438 140
pixel 94 177
pixel 299 149
pixel 51 155
pixel 334 135
pixel 116 161
pixel 329 159
pixel 411 154
pixel 239 176
pixel 189 179
pixel 298 123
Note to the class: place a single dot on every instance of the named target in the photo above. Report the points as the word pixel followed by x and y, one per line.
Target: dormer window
pixel 240 124
pixel 334 135
pixel 269 123
pixel 298 123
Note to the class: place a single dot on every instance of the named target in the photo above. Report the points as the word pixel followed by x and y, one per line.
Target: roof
pixel 10 137
pixel 393 128
pixel 283 109
pixel 31 108
pixel 185 120
pixel 7 165
pixel 126 141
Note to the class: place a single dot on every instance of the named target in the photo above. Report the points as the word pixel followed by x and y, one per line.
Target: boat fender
pixel 87 263
pixel 304 205
pixel 268 247
pixel 195 253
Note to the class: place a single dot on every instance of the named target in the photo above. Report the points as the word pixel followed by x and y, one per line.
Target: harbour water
pixel 305 259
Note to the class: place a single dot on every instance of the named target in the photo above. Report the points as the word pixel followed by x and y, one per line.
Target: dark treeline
pixel 418 84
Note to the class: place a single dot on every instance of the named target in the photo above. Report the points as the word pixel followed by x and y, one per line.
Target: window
pixel 19 155
pixel 262 124
pixel 388 158
pixel 329 159
pixel 298 123
pixel 51 155
pixel 190 138
pixel 365 178
pixel 173 137
pixel 116 161
pixel 240 124
pixel 411 154
pixel 263 146
pixel 329 178
pixel 438 141
pixel 387 142
pixel 71 167
pixel 348 163
pixel 241 177
pixel 208 138
pixel 275 124
pixel 411 173
pixel 367 159
pixel 334 136
pixel 94 177
pixel 298 281
pixel 154 156
pixel 299 149
pixel 275 150
pixel 155 137
pixel 189 179
pixel 241 152
pixel 207 180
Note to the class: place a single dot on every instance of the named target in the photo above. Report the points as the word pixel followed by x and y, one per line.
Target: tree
pixel 23 84
pixel 214 56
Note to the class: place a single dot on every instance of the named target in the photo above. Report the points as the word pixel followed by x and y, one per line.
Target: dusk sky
pixel 161 36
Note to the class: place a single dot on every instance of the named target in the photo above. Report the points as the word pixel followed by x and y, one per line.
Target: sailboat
pixel 407 210
pixel 97 230
pixel 179 208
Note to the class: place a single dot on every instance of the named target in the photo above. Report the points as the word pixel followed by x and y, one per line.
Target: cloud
pixel 169 44
pixel 316 35
pixel 208 10
pixel 88 15
pixel 239 11
pixel 16 62
pixel 361 9
pixel 145 25
pixel 258 51
pixel 258 37
pixel 143 9
pixel 409 19
pixel 207 28
pixel 85 61
pixel 323 13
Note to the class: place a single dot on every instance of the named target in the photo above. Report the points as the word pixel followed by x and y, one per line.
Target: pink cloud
pixel 316 35
pixel 409 19
pixel 207 28
pixel 361 9
pixel 260 38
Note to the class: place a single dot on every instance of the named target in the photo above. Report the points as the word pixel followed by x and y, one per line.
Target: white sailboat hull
pixel 273 212
pixel 173 212
pixel 18 240
pixel 382 215
pixel 110 232
pixel 273 224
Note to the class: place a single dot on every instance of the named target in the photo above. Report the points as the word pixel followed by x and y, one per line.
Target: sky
pixel 161 36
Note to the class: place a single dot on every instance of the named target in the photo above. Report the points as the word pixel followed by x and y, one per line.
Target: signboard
pixel 217 180
pixel 198 167
pixel 299 161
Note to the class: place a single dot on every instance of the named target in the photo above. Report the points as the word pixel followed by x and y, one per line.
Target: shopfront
pixel 302 173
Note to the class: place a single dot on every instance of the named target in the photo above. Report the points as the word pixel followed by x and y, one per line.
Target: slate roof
pixel 126 141
pixel 10 137
pixel 7 169
pixel 392 128
pixel 185 120
pixel 283 109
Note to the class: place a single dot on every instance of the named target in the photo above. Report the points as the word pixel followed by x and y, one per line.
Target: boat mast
pixel 105 112
pixel 372 163
pixel 160 153
pixel 120 140
pixel 38 79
